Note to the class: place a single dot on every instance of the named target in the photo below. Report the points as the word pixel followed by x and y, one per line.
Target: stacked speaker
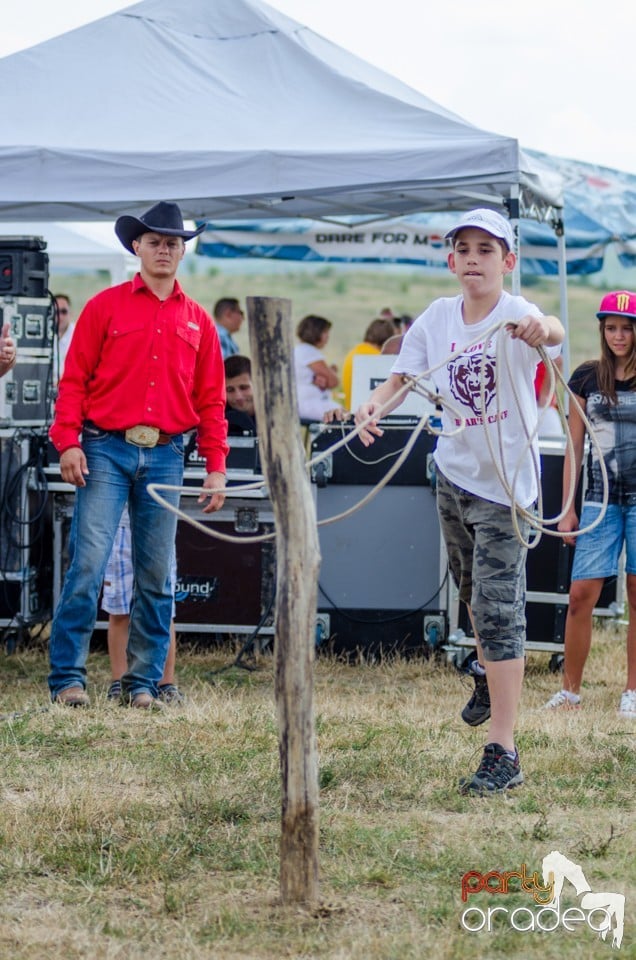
pixel 26 399
pixel 26 392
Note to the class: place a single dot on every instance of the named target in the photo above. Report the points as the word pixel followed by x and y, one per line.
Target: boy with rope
pixel 480 350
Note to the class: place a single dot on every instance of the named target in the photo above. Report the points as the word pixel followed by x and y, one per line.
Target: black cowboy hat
pixel 164 218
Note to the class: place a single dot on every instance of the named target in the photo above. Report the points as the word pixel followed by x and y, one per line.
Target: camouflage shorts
pixel 488 565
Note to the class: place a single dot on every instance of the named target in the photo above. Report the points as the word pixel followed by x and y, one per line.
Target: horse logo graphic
pixel 557 869
pixel 465 376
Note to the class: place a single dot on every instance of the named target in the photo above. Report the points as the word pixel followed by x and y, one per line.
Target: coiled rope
pixel 535 518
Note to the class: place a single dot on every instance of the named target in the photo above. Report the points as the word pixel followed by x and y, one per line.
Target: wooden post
pixel 298 564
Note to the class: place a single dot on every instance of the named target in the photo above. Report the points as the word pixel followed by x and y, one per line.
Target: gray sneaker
pixel 170 693
pixel 477 710
pixel 496 772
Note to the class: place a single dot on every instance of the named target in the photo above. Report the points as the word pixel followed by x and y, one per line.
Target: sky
pixel 554 74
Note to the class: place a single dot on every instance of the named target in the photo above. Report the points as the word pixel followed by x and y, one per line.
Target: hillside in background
pixel 351 298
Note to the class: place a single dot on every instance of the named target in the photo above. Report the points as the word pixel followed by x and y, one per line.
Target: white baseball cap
pixel 488 220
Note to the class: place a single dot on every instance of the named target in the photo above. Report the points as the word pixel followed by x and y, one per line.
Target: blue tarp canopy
pixel 599 211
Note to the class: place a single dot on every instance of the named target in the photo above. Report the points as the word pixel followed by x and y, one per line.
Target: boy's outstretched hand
pixel 535 331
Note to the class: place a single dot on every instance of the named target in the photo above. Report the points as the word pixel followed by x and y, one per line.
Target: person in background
pixel 375 336
pixel 486 558
pixel 394 343
pixel 239 391
pixel 65 327
pixel 116 602
pixel 549 420
pixel 143 368
pixel 228 318
pixel 606 390
pixel 239 406
pixel 8 351
pixel 314 377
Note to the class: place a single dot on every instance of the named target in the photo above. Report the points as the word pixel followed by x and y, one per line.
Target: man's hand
pixel 7 347
pixel 73 466
pixel 213 481
pixel 336 415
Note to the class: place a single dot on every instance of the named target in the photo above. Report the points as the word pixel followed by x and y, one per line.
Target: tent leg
pixel 513 208
pixel 563 295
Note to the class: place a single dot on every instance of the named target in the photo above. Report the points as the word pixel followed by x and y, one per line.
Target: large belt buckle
pixel 142 436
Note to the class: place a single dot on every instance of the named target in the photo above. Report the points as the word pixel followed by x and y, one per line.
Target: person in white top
pixel 65 326
pixel 485 377
pixel 315 379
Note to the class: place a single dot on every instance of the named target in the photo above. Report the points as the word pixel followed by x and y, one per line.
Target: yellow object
pixel 347 368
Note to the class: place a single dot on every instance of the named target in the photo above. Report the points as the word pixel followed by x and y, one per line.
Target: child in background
pixel 606 390
pixel 116 601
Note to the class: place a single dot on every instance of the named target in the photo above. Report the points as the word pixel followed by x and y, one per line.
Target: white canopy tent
pixel 234 110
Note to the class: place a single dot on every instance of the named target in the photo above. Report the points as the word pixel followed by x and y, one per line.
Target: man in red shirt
pixel 144 366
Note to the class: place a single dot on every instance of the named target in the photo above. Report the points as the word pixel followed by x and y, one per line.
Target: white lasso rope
pixel 535 519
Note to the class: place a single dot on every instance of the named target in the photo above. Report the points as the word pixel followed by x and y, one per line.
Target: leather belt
pixel 139 436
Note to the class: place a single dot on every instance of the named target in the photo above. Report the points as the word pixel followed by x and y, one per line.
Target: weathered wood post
pixel 298 563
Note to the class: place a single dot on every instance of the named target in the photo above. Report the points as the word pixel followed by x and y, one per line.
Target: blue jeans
pixel 118 475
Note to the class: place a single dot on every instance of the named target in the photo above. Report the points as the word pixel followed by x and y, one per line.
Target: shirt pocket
pixel 132 327
pixel 188 340
pixel 190 333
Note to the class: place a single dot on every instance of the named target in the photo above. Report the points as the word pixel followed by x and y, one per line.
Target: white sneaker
pixel 561 701
pixel 628 705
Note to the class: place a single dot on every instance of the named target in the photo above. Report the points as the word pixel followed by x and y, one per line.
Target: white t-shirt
pixel 63 344
pixel 312 401
pixel 466 458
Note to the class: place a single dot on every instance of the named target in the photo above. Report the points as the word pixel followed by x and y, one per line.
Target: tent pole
pixel 563 291
pixel 512 206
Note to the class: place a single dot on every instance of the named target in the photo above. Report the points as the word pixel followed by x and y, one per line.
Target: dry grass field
pixel 157 835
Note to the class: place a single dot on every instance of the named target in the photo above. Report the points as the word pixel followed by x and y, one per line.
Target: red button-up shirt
pixel 135 359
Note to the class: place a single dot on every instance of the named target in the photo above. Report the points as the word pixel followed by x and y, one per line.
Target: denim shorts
pixel 596 553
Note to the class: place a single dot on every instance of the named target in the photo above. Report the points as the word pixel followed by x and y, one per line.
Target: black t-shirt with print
pixel 615 431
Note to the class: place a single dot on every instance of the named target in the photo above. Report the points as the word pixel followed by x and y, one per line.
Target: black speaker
pixel 13 453
pixel 26 392
pixel 31 322
pixel 356 464
pixel 24 267
pixel 220 583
